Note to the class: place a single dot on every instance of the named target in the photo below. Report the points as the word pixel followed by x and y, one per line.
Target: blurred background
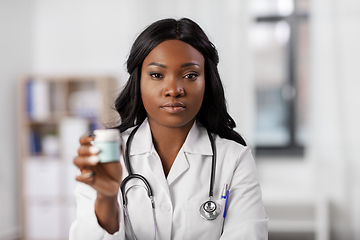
pixel 290 69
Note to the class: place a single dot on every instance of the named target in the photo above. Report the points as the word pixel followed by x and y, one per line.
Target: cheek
pixel 198 93
pixel 201 99
pixel 149 95
pixel 145 94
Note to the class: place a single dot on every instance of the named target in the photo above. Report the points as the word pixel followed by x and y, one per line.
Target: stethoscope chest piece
pixel 210 210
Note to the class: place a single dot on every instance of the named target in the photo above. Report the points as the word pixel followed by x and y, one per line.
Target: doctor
pixel 202 177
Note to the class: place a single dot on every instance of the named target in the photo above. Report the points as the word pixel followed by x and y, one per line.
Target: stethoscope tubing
pixel 132 175
pixel 213 165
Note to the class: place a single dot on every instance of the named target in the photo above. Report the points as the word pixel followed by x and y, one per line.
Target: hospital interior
pixel 290 70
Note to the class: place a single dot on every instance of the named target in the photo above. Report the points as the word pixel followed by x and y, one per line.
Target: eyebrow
pixel 157 64
pixel 189 64
pixel 164 66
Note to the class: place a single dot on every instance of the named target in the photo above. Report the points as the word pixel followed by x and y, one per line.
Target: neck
pixel 168 141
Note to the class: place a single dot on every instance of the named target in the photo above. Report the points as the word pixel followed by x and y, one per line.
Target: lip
pixel 173 107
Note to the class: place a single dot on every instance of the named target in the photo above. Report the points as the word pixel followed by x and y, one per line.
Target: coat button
pixel 166 207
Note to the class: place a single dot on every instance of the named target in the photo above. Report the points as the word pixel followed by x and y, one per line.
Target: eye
pixel 191 76
pixel 155 75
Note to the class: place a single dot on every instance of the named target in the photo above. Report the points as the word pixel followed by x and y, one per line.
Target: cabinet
pixel 298 219
pixel 53 112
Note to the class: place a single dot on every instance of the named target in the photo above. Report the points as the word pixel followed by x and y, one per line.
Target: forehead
pixel 174 52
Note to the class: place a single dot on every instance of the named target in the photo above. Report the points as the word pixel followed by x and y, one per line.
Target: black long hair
pixel 213 113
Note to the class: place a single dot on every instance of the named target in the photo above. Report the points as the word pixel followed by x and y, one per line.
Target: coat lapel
pixel 157 169
pixel 179 166
pixel 142 145
pixel 197 142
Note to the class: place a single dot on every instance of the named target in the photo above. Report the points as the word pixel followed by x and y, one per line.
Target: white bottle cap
pixel 107 135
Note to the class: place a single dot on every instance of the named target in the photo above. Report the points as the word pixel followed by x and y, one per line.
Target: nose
pixel 174 88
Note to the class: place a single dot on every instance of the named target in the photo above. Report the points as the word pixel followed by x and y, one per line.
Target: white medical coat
pixel 179 196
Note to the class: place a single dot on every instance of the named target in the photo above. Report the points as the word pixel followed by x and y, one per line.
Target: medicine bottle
pixel 108 140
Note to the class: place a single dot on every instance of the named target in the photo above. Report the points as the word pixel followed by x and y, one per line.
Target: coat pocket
pixel 196 227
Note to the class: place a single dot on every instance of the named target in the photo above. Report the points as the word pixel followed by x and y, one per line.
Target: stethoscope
pixel 209 210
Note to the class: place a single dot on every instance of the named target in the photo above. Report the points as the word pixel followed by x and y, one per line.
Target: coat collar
pixel 197 141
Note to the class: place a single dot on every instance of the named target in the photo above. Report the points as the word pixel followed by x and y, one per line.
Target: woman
pixel 184 145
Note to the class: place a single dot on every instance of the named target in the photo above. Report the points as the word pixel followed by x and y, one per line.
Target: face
pixel 173 84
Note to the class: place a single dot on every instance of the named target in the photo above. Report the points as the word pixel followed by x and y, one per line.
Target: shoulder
pixel 226 148
pixel 138 129
pixel 233 154
pixel 231 147
pixel 237 161
pixel 125 135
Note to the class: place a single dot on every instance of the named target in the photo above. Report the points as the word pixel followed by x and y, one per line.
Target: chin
pixel 173 122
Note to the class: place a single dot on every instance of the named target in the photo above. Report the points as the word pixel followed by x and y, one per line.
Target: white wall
pixel 335 115
pixel 15 59
pixel 96 36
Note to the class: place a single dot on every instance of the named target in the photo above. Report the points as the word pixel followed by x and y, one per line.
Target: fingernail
pixel 93 159
pixel 94 150
pixel 89 174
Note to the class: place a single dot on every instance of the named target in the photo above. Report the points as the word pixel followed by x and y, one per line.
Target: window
pixel 280 37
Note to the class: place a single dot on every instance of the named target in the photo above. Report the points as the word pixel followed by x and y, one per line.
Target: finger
pixel 88 150
pixel 87 177
pixel 86 162
pixel 89 174
pixel 122 151
pixel 86 140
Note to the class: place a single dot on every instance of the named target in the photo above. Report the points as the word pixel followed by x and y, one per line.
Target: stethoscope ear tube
pixel 127 151
pixel 213 165
pixel 209 210
pixel 133 176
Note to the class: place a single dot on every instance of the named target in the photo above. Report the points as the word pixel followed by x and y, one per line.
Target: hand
pixel 105 178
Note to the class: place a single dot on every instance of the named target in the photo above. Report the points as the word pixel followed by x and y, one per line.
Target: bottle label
pixel 109 151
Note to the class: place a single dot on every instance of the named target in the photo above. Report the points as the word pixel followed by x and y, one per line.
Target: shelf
pixel 292 226
pixel 53 112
